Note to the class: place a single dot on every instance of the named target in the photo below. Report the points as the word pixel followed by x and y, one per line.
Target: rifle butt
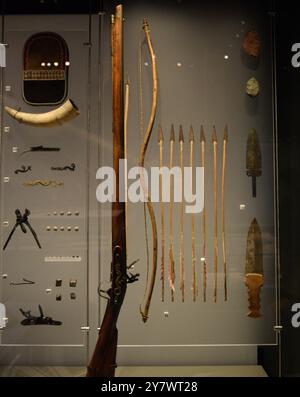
pixel 103 363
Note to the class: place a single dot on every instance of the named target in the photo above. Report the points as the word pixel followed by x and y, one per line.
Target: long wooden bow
pixel 145 311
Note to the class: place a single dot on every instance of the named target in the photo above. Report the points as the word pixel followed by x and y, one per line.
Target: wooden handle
pixel 254 282
pixel 254 186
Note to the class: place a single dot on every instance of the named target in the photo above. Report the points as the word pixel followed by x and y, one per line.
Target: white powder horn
pixel 64 113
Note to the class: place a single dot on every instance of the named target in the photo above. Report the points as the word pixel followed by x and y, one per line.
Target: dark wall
pixel 288 33
pixel 50 6
pixel 288 94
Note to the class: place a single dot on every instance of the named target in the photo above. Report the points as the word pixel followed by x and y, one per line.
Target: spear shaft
pixel 202 138
pixel 171 249
pixel 162 212
pixel 225 140
pixel 194 286
pixel 215 143
pixel 182 286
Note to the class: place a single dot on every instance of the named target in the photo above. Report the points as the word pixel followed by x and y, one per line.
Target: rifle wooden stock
pixel 103 362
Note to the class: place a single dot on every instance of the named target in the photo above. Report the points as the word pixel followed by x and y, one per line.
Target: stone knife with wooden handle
pixel 254 278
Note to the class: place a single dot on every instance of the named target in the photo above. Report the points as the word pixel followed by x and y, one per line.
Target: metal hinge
pixel 278 328
pixel 85 329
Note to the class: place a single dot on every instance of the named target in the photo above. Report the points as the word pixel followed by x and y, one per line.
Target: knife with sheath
pixel 254 278
pixel 253 158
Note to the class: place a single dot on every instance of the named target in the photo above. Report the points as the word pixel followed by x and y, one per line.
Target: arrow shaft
pixel 215 223
pixel 204 227
pixel 194 285
pixel 182 286
pixel 223 217
pixel 162 214
pixel 171 253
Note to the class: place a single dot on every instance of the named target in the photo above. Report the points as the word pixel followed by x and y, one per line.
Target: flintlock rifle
pixel 103 362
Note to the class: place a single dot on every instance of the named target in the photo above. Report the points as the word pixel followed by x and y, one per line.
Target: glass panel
pixel 49 181
pixel 203 72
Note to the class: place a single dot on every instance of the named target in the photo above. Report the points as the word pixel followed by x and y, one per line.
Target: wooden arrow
pixel 162 212
pixel 181 255
pixel 171 249
pixel 202 141
pixel 215 143
pixel 194 285
pixel 126 109
pixel 225 141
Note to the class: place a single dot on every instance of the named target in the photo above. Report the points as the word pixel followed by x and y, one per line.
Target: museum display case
pixel 197 86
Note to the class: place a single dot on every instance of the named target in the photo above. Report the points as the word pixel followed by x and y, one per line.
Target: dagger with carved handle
pixel 254 278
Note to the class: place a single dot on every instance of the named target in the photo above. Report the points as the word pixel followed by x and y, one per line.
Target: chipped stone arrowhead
pixel 252 87
pixel 252 43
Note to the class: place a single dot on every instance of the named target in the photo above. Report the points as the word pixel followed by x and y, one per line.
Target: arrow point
pixel 160 134
pixel 172 134
pixel 191 136
pixel 181 136
pixel 226 133
pixel 214 135
pixel 202 134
